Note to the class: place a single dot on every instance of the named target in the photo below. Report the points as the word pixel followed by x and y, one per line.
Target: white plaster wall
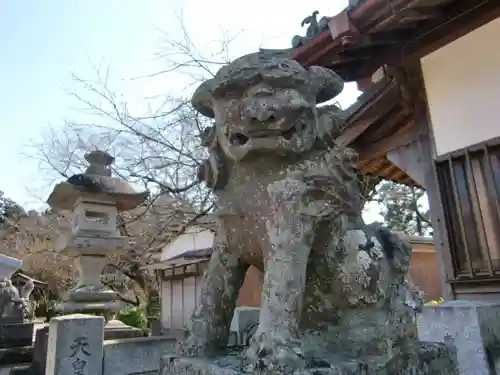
pixel 462 81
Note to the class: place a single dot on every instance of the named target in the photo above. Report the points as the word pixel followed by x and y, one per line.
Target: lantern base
pixel 91 293
pixel 72 307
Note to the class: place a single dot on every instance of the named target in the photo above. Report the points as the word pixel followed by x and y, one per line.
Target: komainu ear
pixel 202 99
pixel 325 83
pixel 208 137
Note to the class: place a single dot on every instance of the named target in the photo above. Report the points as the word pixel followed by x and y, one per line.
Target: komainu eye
pixel 284 66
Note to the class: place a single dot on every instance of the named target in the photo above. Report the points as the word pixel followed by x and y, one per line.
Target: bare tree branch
pixel 156 146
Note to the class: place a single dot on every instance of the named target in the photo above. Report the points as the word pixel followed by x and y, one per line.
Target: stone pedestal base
pixel 422 359
pixel 16 335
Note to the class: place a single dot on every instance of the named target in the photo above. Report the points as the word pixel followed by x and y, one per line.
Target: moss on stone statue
pixel 335 295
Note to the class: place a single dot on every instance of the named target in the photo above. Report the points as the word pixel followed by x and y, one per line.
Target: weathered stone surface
pixel 472 327
pixel 116 330
pixel 14 306
pixel 15 335
pixel 422 359
pixel 96 197
pixel 136 356
pixel 335 289
pixel 40 351
pixel 98 184
pixel 75 345
pixel 14 356
pixel 156 328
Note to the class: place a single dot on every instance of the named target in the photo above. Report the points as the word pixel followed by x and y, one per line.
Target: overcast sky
pixel 43 42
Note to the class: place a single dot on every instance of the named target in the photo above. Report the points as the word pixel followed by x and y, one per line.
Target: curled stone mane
pixel 341 161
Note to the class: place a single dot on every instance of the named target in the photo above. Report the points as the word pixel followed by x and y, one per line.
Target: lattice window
pixel 469 183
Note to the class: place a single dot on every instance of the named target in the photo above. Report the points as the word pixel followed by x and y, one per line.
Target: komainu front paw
pixel 275 353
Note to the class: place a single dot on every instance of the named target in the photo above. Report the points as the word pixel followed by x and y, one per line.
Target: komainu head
pixel 266 104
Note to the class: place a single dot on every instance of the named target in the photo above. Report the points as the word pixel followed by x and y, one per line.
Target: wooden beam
pixel 302 53
pixel 377 104
pixel 368 41
pixel 419 14
pixel 426 148
pixel 402 177
pixel 459 19
pixel 386 125
pixel 472 148
pixel 376 12
pixel 407 158
pixel 389 170
pixel 377 20
pixel 351 28
pixel 402 137
pixel 407 13
pixel 342 32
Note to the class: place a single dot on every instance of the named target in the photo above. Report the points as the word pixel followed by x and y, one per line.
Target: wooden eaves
pixel 384 32
pixel 377 123
pixel 379 33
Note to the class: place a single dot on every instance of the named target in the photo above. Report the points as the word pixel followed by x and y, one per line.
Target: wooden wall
pixel 470 191
pixel 424 271
pixel 178 299
pixel 180 295
pixel 251 290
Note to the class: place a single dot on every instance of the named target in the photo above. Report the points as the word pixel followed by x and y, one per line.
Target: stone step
pixel 19 369
pixel 16 334
pixel 11 356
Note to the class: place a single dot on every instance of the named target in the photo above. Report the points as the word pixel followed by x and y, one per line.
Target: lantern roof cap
pixel 96 184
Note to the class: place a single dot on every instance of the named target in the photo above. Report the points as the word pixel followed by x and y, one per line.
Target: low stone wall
pixel 76 345
pixel 136 356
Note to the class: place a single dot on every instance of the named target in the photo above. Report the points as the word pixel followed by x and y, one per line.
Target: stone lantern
pixel 96 198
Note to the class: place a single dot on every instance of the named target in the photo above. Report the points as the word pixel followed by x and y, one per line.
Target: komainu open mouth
pixel 240 139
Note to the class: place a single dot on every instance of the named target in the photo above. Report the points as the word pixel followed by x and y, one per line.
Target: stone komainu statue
pixel 15 306
pixel 289 204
